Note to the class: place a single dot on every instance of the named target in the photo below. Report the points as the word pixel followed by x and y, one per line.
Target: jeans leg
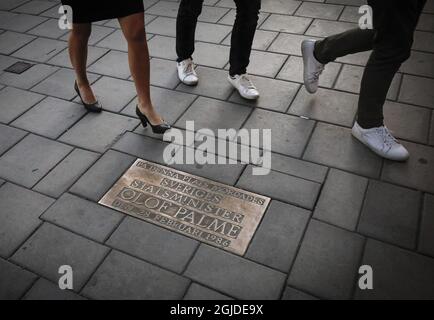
pixel 189 11
pixel 242 35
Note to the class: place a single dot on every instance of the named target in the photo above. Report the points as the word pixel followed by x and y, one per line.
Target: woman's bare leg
pixel 78 41
pixel 138 57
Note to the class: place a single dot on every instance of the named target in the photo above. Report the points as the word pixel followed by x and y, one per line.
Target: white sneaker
pixel 381 141
pixel 312 67
pixel 187 72
pixel 245 86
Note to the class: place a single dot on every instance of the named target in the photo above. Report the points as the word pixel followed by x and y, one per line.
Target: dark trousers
pixel 242 34
pixel 391 41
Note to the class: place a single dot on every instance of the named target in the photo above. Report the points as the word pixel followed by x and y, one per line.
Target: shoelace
pixel 246 82
pixel 189 68
pixel 315 76
pixel 388 139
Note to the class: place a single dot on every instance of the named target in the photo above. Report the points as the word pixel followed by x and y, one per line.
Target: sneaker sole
pixel 304 54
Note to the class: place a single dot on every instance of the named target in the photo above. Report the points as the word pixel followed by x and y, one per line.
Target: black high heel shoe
pixel 157 129
pixel 91 107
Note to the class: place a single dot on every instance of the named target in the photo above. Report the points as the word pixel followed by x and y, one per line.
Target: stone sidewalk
pixel 335 207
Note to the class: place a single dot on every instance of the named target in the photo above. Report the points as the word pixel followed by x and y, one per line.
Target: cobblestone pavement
pixel 335 205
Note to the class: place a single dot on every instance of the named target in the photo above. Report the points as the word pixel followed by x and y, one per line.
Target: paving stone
pixel 293 71
pixel 153 244
pixel 335 147
pixel 327 262
pixel 28 78
pixel 417 172
pixel 294 294
pixel 6 62
pixel 164 74
pixel 98 132
pixel 232 275
pixel 40 50
pixel 280 6
pixel 276 241
pixel 289 24
pixel 289 134
pixel 98 33
pixel 266 64
pixel 164 8
pixel 391 213
pixel 320 11
pixel 350 14
pixel 163 47
pixel 51 117
pixel 83 217
pixel 48 29
pixel 426 239
pixel 229 18
pixel 417 90
pixel 326 105
pixel 20 211
pixel 63 60
pixel 9 136
pixel 31 159
pixel 288 43
pixel 281 187
pixel 198 292
pixel 423 41
pixel 420 64
pixel 426 23
pixel 298 168
pixel 45 290
pixel 211 55
pixel 51 247
pixel 61 178
pixel 416 124
pixel 324 28
pixel 61 84
pixel 114 41
pixel 114 64
pixel 212 14
pixel 19 22
pixel 15 281
pixel 214 115
pixel 102 175
pixel 341 199
pixel 171 104
pixel 359 59
pixel 11 41
pixel 431 136
pixel 35 7
pixel 11 4
pixel 124 277
pixel 213 83
pixel 262 40
pixel 114 94
pixel 391 265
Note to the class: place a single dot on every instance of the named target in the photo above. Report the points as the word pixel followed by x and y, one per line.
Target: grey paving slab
pixel 6 61
pixel 164 8
pixel 426 23
pixel 83 217
pixel 63 60
pixel 31 159
pixel 288 43
pixel 40 50
pixel 153 244
pixel 163 47
pixel 9 137
pixel 28 78
pixel 341 199
pixel 288 24
pixel 211 55
pixel 11 4
pixel 15 281
pixel 234 276
pixel 198 292
pixel 390 264
pixel 229 18
pixel 114 64
pixel 102 175
pixel 11 41
pixel 266 64
pixel 51 247
pixel 212 83
pixel 98 132
pixel 417 172
pixel 19 22
pixel 98 33
pixel 325 28
pixel 391 213
pixel 214 114
pixel 319 10
pixel 417 90
pixel 423 41
pixel 326 105
pixel 334 146
pixel 426 238
pixel 293 71
pixel 431 135
pixel 61 84
pixel 276 241
pixel 61 178
pixel 280 6
pixel 296 295
pixel 419 63
pixel 281 187
pixel 48 29
pixel 263 39
pixel 51 117
pixel 170 104
pixel 327 263
pixel 35 7
pixel 20 211
pixel 164 74
pixel 114 41
pixel 212 14
pixel 289 134
pixel 123 277
pixel 45 290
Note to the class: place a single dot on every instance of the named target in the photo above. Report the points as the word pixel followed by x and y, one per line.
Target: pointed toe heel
pixel 157 129
pixel 91 107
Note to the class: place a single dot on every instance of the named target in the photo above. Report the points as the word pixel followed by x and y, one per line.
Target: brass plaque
pixel 208 211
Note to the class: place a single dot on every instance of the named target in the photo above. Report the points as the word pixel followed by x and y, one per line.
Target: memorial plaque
pixel 208 211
